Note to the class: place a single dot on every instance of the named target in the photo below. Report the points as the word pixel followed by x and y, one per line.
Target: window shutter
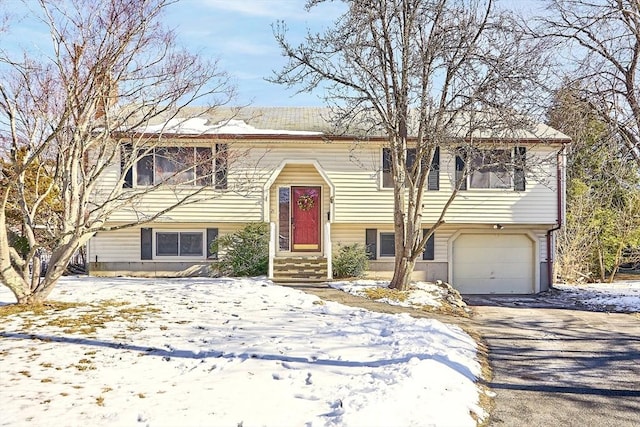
pixel 429 247
pixel 212 235
pixel 125 155
pixel 146 243
pixel 371 242
pixel 221 165
pixel 433 180
pixel 460 165
pixel 387 178
pixel 519 159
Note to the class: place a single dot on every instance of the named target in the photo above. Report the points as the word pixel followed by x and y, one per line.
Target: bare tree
pixel 70 113
pixel 602 220
pixel 602 40
pixel 427 74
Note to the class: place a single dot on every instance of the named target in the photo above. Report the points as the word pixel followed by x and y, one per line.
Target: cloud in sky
pixel 278 9
pixel 239 33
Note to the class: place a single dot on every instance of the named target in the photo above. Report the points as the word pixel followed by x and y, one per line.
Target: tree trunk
pixel 29 287
pixel 616 264
pixel 402 273
pixel 8 275
pixel 601 264
pixel 32 299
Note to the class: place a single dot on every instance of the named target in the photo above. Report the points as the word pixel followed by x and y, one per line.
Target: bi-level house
pixel 318 190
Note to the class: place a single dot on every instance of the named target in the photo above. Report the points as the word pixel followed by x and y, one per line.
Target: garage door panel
pixel 486 263
pixel 499 286
pixel 477 270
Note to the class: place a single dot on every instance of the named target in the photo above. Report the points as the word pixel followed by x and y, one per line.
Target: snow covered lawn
pixel 228 352
pixel 620 296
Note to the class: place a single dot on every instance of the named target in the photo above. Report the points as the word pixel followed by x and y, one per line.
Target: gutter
pixel 560 190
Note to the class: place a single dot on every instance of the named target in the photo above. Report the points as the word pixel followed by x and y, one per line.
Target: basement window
pixel 180 244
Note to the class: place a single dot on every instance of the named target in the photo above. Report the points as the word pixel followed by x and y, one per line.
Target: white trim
pixel 276 172
pixel 328 249
pixel 509 169
pixel 273 241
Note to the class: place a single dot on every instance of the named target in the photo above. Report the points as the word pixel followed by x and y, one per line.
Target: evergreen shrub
pixel 350 261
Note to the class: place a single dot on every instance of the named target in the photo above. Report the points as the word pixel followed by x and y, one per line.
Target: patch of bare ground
pixel 84 321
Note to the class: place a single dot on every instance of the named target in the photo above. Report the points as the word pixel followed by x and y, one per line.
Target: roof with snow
pixel 319 122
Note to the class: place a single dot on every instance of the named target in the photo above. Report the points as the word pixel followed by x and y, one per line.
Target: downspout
pixel 560 186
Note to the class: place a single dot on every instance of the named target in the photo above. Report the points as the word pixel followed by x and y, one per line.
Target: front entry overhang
pixel 266 214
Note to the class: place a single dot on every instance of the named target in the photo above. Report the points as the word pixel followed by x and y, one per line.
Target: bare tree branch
pixel 426 74
pixel 112 68
pixel 604 38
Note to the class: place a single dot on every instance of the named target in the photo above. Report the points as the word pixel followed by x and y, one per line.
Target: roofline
pixel 324 138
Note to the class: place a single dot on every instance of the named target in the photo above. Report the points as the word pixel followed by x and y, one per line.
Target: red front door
pixel 305 222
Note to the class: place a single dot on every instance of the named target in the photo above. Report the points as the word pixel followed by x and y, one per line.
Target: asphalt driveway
pixel 556 366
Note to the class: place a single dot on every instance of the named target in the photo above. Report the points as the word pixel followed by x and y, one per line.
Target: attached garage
pixel 495 263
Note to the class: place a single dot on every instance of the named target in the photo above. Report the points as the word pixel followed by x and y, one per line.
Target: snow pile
pixel 227 352
pixel 438 296
pixel 203 126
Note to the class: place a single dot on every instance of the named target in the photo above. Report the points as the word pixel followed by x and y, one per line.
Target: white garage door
pixel 493 264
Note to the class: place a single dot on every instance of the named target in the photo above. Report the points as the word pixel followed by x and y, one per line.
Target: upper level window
pixel 495 168
pixel 489 169
pixel 433 180
pixel 175 165
pixel 180 165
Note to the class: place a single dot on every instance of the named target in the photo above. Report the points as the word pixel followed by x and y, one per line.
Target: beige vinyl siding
pixel 240 202
pixel 359 197
pixel 212 206
pixel 536 205
pixel 351 171
pixel 115 246
pixel 346 234
pixel 542 243
pixel 124 245
pixel 354 172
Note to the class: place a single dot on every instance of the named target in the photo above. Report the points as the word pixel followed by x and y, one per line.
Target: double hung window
pixel 180 244
pixel 197 166
pixel 491 169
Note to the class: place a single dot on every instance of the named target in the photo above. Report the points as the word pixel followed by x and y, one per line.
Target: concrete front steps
pixel 300 269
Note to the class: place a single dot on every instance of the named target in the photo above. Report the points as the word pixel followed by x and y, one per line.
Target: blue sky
pixel 239 34
pixel 236 32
